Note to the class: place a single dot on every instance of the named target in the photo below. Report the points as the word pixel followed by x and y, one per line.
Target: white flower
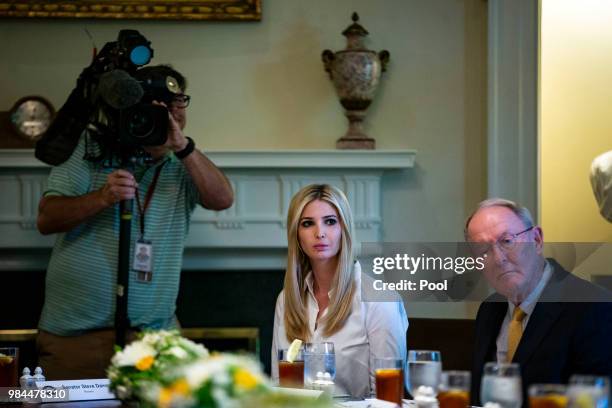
pixel 177 352
pixel 222 399
pixel 198 373
pixel 122 392
pixel 132 354
pixel 178 368
pixel 217 369
pixel 113 373
pixel 195 348
pixel 150 392
pixel 152 338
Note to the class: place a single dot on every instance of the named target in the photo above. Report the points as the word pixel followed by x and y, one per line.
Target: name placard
pixel 79 390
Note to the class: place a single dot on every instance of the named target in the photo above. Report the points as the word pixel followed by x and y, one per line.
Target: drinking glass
pixel 588 391
pixel 501 383
pixel 290 374
pixel 9 366
pixel 389 374
pixel 547 396
pixel 424 369
pixel 454 389
pixel 319 365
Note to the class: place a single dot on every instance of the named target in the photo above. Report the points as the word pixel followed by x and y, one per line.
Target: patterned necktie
pixel 515 331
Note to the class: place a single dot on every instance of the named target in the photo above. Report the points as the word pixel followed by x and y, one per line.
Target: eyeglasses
pixel 506 243
pixel 181 101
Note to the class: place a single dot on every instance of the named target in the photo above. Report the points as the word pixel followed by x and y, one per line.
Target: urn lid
pixel 355 29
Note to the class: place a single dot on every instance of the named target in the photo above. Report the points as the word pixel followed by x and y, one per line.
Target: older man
pixel 550 322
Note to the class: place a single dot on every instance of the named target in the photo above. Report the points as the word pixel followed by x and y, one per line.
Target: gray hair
pixel 518 210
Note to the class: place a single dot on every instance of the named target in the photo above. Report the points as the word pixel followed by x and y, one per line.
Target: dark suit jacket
pixel 560 339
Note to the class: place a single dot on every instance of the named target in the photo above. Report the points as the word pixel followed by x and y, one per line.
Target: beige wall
pixel 262 86
pixel 576 119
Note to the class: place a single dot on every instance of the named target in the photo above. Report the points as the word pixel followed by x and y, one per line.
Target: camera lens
pixel 141 124
pixel 144 125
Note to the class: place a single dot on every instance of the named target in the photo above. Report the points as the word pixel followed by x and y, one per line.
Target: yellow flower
pixel 166 394
pixel 133 353
pixel 165 397
pixel 145 363
pixel 181 387
pixel 244 379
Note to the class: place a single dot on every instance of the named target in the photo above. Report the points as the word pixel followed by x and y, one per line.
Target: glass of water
pixel 501 384
pixel 319 365
pixel 588 390
pixel 424 369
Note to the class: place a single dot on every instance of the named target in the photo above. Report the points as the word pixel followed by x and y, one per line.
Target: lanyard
pixel 142 209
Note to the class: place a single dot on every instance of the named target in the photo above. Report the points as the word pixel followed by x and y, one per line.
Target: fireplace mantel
pixel 263 159
pixel 251 234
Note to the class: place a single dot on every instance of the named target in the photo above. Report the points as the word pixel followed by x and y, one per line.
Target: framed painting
pixel 222 10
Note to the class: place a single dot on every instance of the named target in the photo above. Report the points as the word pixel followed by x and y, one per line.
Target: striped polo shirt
pixel 82 273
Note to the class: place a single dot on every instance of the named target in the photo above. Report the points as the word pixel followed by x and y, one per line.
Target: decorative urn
pixel 355 73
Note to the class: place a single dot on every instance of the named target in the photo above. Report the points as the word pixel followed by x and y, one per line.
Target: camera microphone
pixel 119 90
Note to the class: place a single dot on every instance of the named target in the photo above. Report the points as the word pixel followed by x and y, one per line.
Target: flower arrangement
pixel 163 369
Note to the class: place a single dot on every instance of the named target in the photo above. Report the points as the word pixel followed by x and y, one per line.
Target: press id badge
pixel 143 260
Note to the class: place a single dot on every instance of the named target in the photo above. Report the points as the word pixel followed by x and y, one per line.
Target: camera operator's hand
pixel 120 185
pixel 176 138
pixel 63 213
pixel 176 123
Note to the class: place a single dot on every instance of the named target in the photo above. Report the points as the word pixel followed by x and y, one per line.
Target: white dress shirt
pixel 373 329
pixel 527 306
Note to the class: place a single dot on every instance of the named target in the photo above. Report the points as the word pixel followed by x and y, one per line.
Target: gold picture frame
pixel 222 10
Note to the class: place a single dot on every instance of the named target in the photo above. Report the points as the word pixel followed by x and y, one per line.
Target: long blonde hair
pixel 298 266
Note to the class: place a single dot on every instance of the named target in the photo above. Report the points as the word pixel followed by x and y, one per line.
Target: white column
pixel 513 101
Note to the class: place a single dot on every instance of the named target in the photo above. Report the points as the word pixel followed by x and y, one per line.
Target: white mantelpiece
pixel 251 234
pixel 262 159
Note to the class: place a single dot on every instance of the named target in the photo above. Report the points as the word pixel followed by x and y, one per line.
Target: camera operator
pixel 76 335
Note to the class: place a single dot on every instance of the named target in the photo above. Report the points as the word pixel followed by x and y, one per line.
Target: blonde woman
pixel 321 299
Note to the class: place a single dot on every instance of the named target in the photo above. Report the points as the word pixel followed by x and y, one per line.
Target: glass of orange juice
pixel 547 396
pixel 454 389
pixel 389 374
pixel 9 363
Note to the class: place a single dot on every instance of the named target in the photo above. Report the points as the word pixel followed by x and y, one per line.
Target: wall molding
pixel 249 235
pixel 263 159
